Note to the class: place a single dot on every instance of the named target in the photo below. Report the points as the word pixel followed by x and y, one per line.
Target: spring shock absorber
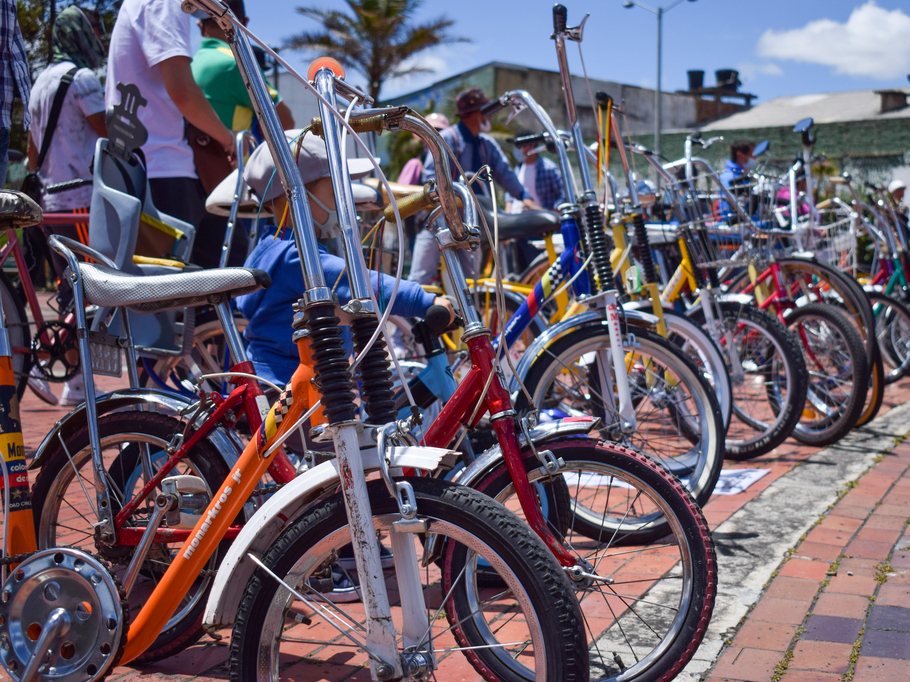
pixel 375 376
pixel 330 364
pixel 598 244
pixel 644 248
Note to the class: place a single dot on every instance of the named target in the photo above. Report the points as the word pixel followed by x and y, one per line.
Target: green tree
pixel 36 21
pixel 375 40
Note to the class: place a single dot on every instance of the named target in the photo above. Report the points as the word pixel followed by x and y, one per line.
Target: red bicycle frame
pixel 497 401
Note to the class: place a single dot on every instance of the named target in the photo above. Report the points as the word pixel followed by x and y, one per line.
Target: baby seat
pixel 123 214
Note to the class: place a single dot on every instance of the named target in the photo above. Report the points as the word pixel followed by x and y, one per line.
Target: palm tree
pixel 377 41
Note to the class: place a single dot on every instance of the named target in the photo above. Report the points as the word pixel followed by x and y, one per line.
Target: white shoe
pixel 40 387
pixel 74 392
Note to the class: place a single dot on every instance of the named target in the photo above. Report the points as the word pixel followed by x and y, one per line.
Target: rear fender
pixel 228 444
pixel 540 435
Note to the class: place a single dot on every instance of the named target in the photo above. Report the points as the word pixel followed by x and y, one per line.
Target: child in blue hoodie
pixel 269 311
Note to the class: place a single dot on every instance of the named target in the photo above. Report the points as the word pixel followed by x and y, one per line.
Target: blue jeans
pixel 4 158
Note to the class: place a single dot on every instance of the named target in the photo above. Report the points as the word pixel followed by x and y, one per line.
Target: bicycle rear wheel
pixel 892 331
pixel 17 326
pixel 531 629
pixel 64 498
pixel 649 606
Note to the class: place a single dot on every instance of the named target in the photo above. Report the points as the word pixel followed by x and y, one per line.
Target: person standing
pixel 67 145
pixel 150 47
pixel 14 78
pixel 538 175
pixel 474 148
pixel 216 72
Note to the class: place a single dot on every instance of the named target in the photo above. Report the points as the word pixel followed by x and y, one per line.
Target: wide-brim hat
pixel 469 101
pixel 262 183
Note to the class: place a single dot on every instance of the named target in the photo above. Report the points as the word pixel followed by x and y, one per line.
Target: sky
pixel 780 47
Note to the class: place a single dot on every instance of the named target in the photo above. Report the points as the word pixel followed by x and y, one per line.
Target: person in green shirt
pixel 215 71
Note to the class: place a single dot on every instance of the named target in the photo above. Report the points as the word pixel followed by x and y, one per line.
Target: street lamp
pixel 659 12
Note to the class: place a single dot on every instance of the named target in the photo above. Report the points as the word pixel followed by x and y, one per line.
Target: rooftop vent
pixel 892 100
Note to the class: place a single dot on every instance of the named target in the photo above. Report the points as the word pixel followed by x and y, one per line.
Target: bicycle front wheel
pixel 678 418
pixel 530 630
pixel 838 373
pixel 647 606
pixel 892 331
pixel 770 382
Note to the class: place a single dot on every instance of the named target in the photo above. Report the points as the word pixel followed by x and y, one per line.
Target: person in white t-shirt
pixel 150 47
pixel 81 121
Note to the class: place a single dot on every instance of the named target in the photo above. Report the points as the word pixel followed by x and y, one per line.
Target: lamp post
pixel 659 13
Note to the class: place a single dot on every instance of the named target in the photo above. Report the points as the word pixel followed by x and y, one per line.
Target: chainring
pixel 82 592
pixel 52 343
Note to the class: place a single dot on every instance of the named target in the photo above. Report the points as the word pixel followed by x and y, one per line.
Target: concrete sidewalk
pixel 814 567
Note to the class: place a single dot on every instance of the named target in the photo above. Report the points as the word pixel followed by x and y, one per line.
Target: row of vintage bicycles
pixel 521 494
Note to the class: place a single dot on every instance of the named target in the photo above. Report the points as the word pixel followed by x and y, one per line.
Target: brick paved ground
pixel 836 608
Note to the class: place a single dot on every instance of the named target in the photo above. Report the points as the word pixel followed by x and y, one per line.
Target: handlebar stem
pixel 361 302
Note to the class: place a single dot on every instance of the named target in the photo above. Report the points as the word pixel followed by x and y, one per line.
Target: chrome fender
pixel 229 445
pixel 540 434
pixel 280 511
pixel 557 331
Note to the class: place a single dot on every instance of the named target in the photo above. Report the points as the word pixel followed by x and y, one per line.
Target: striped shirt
pixel 14 76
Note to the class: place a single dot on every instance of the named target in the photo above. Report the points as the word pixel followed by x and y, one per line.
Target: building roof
pixel 836 107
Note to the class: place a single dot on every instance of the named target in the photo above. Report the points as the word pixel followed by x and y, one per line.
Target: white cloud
pixel 873 42
pixel 749 71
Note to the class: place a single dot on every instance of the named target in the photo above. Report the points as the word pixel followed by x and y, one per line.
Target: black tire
pixel 838 373
pixel 62 518
pixel 875 397
pixel 664 622
pixel 679 420
pixel 462 517
pixel 17 326
pixel 892 331
pixel 769 401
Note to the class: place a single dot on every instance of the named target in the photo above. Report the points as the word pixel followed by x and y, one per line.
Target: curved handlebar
pixel 71 184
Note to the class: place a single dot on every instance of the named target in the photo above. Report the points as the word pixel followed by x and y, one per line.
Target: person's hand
pixel 530 205
pixel 447 304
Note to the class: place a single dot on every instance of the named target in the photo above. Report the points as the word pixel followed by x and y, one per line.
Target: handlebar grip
pixel 370 124
pixel 437 319
pixel 559 18
pixel 413 203
pixel 531 139
pixel 603 99
pixel 72 184
pixel 492 107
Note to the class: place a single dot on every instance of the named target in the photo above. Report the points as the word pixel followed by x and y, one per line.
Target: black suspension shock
pixel 598 245
pixel 375 375
pixel 330 364
pixel 644 248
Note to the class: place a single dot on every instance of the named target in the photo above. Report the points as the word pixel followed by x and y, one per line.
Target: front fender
pixel 638 318
pixel 540 434
pixel 228 445
pixel 280 511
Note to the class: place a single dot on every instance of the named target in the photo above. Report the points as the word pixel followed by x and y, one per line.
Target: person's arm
pixel 285 115
pixel 188 97
pixel 98 122
pixel 32 154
